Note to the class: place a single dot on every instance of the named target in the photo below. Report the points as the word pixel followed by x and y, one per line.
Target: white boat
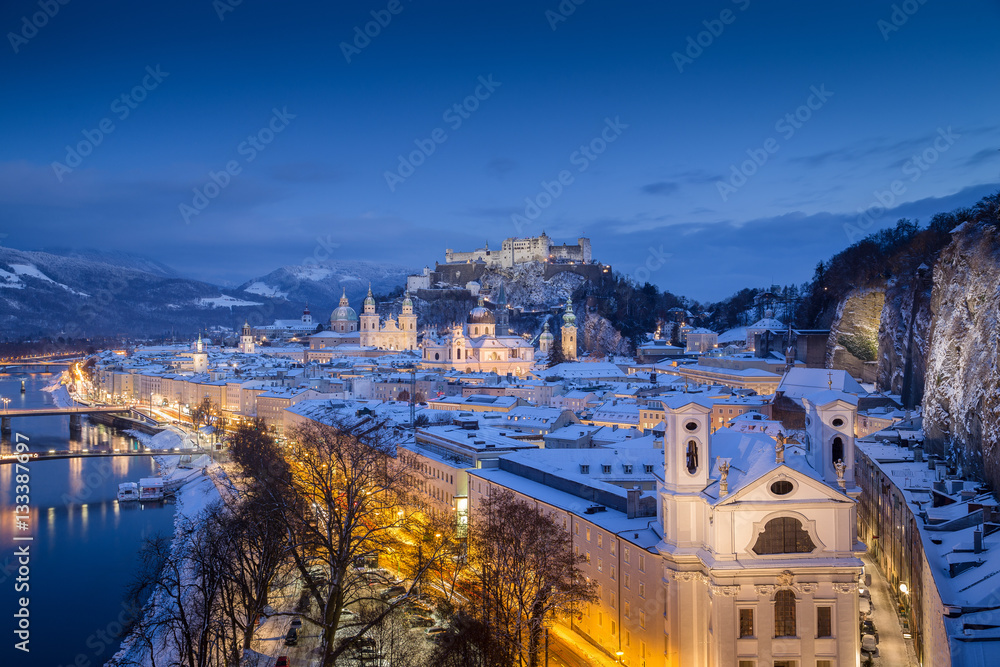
pixel 151 488
pixel 128 491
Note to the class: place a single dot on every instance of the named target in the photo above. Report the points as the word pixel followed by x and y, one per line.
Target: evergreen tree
pixel 556 355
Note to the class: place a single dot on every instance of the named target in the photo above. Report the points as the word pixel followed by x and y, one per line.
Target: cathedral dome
pixel 480 315
pixel 370 299
pixel 344 312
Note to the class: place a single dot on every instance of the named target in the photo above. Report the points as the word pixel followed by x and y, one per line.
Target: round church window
pixel 781 487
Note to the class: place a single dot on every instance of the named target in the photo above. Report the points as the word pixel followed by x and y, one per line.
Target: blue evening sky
pixel 907 101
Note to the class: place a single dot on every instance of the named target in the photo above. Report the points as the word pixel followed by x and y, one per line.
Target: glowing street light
pixel 903 589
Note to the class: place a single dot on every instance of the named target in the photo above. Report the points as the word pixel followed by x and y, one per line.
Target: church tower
pixel 569 332
pixel 307 317
pixel 546 340
pixel 830 417
pixel 369 321
pixel 408 323
pixel 246 339
pixel 502 313
pixel 200 357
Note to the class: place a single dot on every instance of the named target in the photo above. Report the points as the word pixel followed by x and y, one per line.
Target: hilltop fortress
pixel 464 270
pixel 521 251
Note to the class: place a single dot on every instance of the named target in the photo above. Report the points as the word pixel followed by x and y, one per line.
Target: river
pixel 84 546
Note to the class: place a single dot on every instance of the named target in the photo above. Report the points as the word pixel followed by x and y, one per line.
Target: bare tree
pixel 526 572
pixel 258 547
pixel 184 579
pixel 343 497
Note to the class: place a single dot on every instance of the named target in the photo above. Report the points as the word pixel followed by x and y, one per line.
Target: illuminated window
pixel 746 622
pixel 784 613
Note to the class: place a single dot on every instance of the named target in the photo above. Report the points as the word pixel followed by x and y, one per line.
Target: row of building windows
pixel 785 618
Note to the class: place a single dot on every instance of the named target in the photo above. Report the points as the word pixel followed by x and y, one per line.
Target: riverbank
pixel 199 487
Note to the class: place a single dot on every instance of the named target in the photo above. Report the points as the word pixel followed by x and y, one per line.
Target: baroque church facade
pixel 477 347
pixel 368 330
pixel 759 540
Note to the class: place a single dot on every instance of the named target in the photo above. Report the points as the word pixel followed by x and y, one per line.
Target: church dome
pixel 480 315
pixel 370 299
pixel 344 312
pixel 546 334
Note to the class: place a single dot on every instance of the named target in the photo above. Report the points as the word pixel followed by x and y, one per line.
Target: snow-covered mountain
pixel 92 293
pixel 321 284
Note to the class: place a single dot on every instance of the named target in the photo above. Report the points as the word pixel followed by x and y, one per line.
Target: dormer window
pixel 584 470
pixel 648 469
pixel 606 469
pixel 627 469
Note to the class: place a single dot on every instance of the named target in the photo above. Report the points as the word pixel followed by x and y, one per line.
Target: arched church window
pixel 784 613
pixel 784 535
pixel 692 457
pixel 436 356
pixel 837 450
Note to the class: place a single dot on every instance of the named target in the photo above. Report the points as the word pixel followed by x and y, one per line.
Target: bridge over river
pixel 76 412
pixel 54 454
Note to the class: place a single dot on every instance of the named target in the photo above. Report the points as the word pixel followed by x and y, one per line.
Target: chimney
pixel 977 541
pixel 632 503
pixel 918 454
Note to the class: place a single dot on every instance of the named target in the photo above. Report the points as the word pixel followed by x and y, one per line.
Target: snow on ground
pixel 316 273
pixel 225 301
pixel 12 280
pixel 60 395
pixel 32 271
pixel 263 289
pixel 197 492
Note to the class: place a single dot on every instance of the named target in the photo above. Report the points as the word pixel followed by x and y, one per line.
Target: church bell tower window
pixel 692 457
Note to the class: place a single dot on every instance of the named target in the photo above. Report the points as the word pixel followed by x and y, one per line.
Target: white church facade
pixel 475 347
pixel 752 558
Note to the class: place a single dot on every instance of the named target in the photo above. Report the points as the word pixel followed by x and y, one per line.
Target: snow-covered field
pixel 263 289
pixel 32 271
pixel 225 301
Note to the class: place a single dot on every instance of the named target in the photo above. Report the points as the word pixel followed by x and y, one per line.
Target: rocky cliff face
pixel 854 333
pixel 962 388
pixel 904 335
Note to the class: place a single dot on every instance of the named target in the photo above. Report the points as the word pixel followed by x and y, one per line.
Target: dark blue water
pixel 84 548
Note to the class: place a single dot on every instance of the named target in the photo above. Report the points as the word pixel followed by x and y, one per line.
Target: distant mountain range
pixel 94 293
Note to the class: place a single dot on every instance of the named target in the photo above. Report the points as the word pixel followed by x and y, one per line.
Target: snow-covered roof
pixel 800 382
